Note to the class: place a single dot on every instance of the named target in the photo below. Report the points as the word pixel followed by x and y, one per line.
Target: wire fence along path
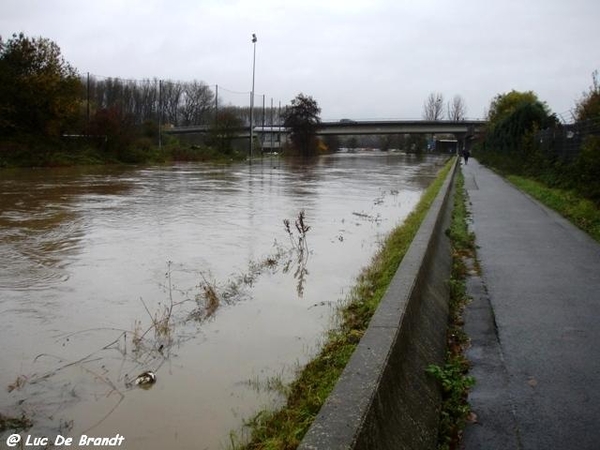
pixel 565 142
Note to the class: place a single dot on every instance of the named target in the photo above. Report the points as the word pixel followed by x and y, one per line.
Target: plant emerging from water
pixel 148 344
pixel 299 246
pixel 14 423
pixel 298 240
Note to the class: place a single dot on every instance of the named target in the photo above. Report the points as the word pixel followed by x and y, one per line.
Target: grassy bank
pixel 88 151
pixel 453 376
pixel 580 211
pixel 285 428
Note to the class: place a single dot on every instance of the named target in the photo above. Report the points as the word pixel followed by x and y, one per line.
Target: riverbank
pixel 284 429
pixel 92 151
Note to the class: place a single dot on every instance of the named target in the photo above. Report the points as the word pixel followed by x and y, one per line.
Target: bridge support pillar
pixel 462 142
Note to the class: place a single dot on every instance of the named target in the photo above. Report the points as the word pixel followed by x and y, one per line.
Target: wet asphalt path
pixel 534 323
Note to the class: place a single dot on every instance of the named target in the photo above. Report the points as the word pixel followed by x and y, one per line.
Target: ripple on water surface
pixel 186 270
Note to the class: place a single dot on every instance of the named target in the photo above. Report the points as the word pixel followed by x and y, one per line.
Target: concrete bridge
pixel 361 127
pixel 273 137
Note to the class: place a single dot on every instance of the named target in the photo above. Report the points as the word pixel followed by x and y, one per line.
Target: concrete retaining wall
pixel 384 398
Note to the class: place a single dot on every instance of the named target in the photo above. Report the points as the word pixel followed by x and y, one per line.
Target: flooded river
pixel 187 271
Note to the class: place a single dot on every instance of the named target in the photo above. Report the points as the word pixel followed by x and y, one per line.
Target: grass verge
pixel 453 376
pixel 285 428
pixel 580 211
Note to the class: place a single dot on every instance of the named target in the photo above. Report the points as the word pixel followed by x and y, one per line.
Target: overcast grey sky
pixel 359 59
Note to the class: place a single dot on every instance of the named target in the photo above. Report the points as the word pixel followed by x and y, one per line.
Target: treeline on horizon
pixel 52 115
pixel 173 103
pixel 523 137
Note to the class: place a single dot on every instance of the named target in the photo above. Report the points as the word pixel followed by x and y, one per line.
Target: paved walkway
pixel 534 324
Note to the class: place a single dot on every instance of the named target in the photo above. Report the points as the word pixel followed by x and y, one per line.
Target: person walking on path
pixel 533 323
pixel 466 155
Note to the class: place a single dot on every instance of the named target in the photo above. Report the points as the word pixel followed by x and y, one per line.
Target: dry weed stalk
pixel 18 383
pixel 300 246
pixel 299 242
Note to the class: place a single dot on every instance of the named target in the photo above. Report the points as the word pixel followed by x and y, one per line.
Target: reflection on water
pixel 185 270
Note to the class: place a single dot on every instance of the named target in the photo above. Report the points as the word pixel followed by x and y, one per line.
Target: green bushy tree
pixel 302 119
pixel 39 90
pixel 513 119
pixel 588 107
pixel 503 105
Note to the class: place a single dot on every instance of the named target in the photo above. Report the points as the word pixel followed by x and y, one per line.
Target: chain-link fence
pixel 565 142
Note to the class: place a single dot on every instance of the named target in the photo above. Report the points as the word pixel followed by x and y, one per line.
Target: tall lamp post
pixel 252 96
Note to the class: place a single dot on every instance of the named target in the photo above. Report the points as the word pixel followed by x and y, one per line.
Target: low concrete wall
pixel 384 399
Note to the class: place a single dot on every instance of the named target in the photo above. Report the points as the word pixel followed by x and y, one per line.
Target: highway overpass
pixel 361 127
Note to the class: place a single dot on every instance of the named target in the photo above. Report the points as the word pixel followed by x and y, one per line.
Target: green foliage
pixel 504 105
pixel 513 120
pixel 453 375
pixel 50 116
pixel 511 146
pixel 302 119
pixel 39 91
pixel 589 105
pixel 579 210
pixel 512 116
pixel 455 410
pixel 463 240
pixel 586 169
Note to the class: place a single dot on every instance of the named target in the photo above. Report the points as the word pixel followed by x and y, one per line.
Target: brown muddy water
pixel 186 270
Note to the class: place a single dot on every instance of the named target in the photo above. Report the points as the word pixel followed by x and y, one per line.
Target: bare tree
pixel 457 110
pixel 433 108
pixel 171 93
pixel 197 103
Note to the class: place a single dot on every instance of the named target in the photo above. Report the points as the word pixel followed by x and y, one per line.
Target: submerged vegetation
pixel 151 341
pixel 285 428
pixel 14 423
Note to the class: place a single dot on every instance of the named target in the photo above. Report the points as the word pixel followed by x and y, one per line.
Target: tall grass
pixel 580 211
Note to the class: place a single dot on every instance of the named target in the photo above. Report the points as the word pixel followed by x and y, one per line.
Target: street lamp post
pixel 252 97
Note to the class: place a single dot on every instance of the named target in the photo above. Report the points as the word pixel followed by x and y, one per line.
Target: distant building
pixel 272 139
